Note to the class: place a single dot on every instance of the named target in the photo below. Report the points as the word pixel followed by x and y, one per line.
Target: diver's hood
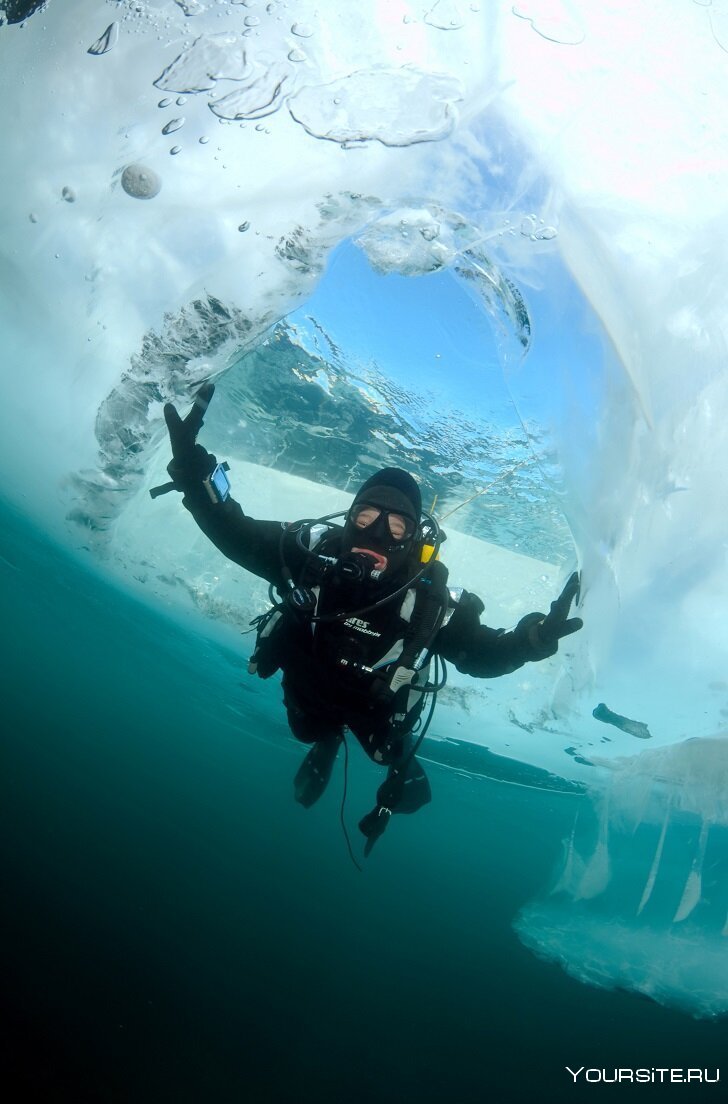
pixel 390 491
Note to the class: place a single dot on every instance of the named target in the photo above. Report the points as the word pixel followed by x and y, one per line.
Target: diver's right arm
pixel 255 545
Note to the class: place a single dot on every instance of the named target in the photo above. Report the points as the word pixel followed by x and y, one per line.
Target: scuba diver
pixel 361 612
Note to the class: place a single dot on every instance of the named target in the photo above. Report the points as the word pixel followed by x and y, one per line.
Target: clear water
pixel 176 928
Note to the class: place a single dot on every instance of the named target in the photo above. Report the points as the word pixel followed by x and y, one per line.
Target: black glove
pixel 191 463
pixel 544 633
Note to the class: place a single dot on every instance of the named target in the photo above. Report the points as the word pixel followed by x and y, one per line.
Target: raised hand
pixel 191 463
pixel 558 623
pixel 183 432
pixel 544 633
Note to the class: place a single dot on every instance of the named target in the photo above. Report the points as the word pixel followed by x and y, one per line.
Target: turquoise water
pixel 177 929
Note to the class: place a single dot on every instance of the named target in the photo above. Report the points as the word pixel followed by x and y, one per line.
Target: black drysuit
pixel 320 695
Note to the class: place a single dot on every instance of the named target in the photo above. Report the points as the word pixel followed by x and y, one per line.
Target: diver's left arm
pixel 484 652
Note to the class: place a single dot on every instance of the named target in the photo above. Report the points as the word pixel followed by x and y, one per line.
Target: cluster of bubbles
pixel 318 109
pixel 536 229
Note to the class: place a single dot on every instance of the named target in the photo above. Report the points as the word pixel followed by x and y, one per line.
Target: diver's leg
pixel 406 787
pixel 404 790
pixel 314 773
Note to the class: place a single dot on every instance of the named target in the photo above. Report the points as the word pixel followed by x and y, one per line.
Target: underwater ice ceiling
pixel 178 174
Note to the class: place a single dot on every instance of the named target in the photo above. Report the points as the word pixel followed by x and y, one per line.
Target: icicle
pixel 650 883
pixel 596 876
pixel 567 878
pixel 694 883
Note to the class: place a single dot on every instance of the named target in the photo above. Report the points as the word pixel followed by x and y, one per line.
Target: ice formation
pixel 561 167
pixel 641 897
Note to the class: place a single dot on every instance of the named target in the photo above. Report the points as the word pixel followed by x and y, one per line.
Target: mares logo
pixel 360 626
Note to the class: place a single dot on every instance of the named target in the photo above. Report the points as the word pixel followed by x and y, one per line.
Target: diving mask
pixel 391 528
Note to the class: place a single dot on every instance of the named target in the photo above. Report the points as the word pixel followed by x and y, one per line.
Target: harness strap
pixel 431 601
pixel 430 607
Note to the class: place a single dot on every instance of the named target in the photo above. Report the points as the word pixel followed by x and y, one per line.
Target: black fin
pixel 373 825
pixel 315 771
pixel 405 790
